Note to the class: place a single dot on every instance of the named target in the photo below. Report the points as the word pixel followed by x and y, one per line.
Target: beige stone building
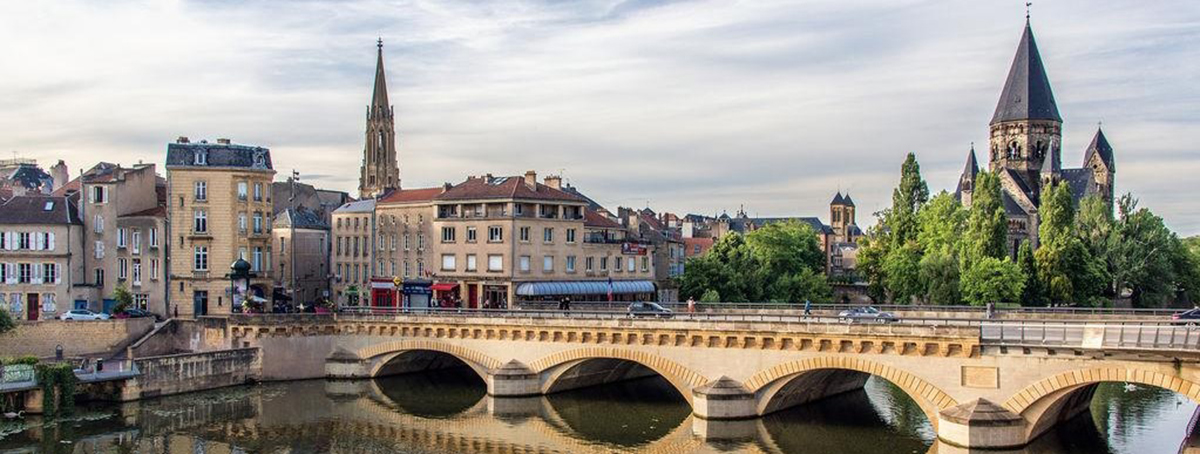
pixel 124 237
pixel 219 201
pixel 353 233
pixel 40 243
pixel 301 244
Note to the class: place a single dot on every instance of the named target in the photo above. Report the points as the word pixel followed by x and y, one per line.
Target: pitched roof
pixel 1101 147
pixel 592 218
pixel 218 155
pixel 969 172
pixel 300 218
pixel 39 209
pixel 379 99
pixel 847 200
pixel 358 206
pixel 411 195
pixel 1081 182
pixel 1027 94
pixel 1010 204
pixel 505 188
pixel 837 199
pixel 72 186
pixel 156 212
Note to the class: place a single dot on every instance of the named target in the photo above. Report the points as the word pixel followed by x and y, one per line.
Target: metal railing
pixel 1105 335
pixel 620 305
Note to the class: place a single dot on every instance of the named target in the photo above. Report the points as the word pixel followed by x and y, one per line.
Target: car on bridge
pixel 134 313
pixel 866 314
pixel 644 309
pixel 82 314
pixel 1188 317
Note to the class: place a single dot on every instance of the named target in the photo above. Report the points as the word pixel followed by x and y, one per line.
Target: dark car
pixel 649 310
pixel 133 313
pixel 866 314
pixel 1188 317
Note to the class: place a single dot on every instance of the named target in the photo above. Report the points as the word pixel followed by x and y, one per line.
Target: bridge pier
pixel 513 379
pixel 981 424
pixel 723 399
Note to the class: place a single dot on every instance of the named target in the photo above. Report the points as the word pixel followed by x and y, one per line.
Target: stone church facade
pixel 1024 149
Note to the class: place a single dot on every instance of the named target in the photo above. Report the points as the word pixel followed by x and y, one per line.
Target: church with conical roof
pixel 1024 148
pixel 380 168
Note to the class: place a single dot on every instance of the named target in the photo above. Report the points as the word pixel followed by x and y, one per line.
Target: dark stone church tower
pixel 380 168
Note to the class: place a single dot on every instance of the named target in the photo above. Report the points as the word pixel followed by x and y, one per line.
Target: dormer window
pixel 201 158
pixel 260 160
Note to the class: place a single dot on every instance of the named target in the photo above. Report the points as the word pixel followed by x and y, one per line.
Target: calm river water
pixel 448 412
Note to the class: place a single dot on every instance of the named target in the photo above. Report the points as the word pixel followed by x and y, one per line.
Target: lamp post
pixel 239 272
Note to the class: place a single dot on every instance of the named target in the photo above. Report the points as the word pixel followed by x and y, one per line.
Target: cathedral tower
pixel 380 169
pixel 1026 130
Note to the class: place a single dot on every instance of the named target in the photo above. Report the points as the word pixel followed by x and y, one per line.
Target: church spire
pixel 1027 94
pixel 379 99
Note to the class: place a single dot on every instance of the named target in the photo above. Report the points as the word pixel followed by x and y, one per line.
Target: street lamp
pixel 239 281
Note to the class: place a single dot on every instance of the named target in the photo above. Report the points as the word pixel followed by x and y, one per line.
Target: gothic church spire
pixel 1027 94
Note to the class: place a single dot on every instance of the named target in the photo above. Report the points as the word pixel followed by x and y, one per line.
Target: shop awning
pixel 583 288
pixel 444 286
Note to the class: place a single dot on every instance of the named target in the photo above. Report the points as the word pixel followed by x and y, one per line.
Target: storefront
pixel 417 292
pixel 445 294
pixel 494 296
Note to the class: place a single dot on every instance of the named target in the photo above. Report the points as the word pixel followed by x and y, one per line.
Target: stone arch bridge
pixel 981 384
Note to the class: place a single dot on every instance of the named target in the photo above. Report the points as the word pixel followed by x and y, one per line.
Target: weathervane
pixel 1027 5
pixel 379 42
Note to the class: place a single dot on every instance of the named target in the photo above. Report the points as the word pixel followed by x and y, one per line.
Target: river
pixel 448 412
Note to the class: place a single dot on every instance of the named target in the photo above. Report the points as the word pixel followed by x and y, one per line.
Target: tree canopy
pixel 781 262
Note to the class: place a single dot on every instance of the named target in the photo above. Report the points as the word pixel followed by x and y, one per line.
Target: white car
pixel 82 314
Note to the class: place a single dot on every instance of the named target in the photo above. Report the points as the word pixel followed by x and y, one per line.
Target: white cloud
pixel 695 106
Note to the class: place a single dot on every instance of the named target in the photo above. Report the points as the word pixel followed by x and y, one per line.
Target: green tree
pixel 6 321
pixel 1145 256
pixel 1032 294
pixel 710 296
pixel 939 271
pixel 941 223
pixel 902 273
pixel 786 247
pixel 1067 271
pixel 986 233
pixel 870 264
pixel 797 287
pixel 730 268
pixel 907 200
pixel 992 280
pixel 123 298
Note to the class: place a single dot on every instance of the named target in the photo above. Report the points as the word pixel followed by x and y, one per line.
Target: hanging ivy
pixel 58 388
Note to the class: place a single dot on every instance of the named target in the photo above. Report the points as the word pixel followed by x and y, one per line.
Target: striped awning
pixel 583 288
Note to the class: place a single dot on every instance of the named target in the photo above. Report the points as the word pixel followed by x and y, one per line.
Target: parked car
pixel 1188 317
pixel 866 314
pixel 133 313
pixel 641 309
pixel 82 314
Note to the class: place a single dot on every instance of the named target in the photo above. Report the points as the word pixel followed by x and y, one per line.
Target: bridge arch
pixel 378 356
pixel 1059 397
pixel 552 367
pixel 769 383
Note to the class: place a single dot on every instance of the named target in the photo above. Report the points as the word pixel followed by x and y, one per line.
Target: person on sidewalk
pixel 807 308
pixel 691 302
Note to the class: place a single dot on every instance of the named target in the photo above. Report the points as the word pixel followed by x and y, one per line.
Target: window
pixel 24 273
pixel 122 269
pixel 407 269
pixel 242 222
pixel 696 250
pixel 242 253
pixel 136 241
pixel 393 265
pixel 140 300
pixel 50 273
pixel 471 259
pixel 631 264
pixel 200 190
pixel 588 264
pixel 356 272
pixel 201 158
pixel 495 234
pixel 339 245
pixel 258 192
pixel 645 264
pixel 99 249
pixel 570 235
pixel 200 223
pixel 448 262
pixel 603 263
pixel 282 245
pixel 406 238
pixel 447 234
pixel 268 259
pixel 242 191
pixel 381 241
pixel 121 237
pixel 137 272
pixel 420 241
pixel 548 235
pixel 24 240
pixel 153 269
pixel 570 264
pixel 99 224
pixel 257 263
pixel 200 259
pixel 524 264
pixel 495 262
pixel 356 239
pixel 420 267
pixel 471 235
pixel 548 263
pixel 393 237
pixel 524 234
pixel 258 222
pixel 99 277
pixel 98 194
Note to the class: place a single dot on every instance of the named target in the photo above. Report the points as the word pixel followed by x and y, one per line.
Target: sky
pixel 687 106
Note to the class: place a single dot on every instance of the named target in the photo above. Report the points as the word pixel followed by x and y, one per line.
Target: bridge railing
pixel 619 305
pixel 1109 334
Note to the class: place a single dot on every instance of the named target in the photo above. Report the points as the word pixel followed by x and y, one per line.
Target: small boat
pixel 1130 387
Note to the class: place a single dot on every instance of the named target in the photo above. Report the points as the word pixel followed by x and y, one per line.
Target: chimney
pixel 446 186
pixel 182 139
pixel 59 174
pixel 554 181
pixel 223 141
pixel 531 179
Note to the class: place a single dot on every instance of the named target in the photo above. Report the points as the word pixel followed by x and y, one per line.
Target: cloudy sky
pixel 690 106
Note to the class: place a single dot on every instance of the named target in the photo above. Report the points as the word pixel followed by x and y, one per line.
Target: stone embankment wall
pixel 182 336
pixel 174 374
pixel 78 338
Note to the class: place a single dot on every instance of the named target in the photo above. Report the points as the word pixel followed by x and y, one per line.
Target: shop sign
pixel 633 249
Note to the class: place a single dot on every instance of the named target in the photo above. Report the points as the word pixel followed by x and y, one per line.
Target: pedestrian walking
pixel 807 308
pixel 691 305
pixel 991 310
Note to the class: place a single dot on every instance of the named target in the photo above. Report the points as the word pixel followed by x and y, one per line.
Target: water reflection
pixel 448 412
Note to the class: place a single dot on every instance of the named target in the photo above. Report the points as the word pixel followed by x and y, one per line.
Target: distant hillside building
pixel 1024 149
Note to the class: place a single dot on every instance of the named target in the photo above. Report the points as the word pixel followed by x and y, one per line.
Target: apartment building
pixel 219 202
pixel 353 234
pixel 39 250
pixel 301 244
